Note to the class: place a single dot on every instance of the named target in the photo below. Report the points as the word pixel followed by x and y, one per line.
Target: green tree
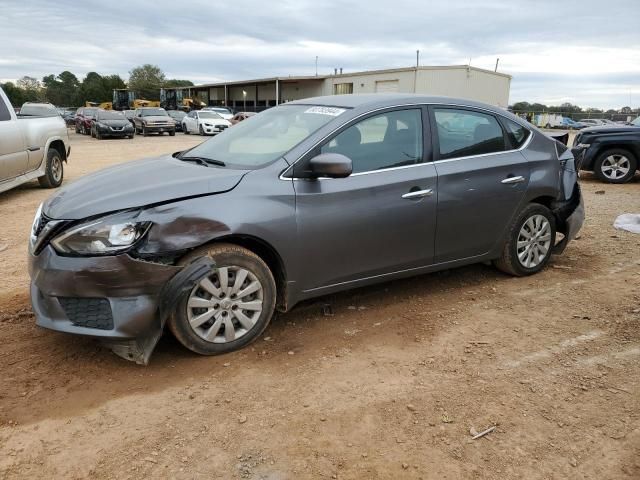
pixel 31 89
pixel 93 89
pixel 174 82
pixel 15 94
pixel 146 81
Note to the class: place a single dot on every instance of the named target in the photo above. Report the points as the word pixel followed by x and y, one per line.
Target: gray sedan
pixel 306 199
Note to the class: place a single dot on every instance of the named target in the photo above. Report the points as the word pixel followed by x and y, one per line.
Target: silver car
pixel 306 199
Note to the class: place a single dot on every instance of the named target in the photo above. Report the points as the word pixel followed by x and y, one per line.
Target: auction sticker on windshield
pixel 333 111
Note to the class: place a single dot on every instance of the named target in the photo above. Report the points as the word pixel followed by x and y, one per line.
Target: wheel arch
pixel 268 254
pixel 58 144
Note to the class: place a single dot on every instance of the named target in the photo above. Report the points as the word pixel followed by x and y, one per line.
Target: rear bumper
pixel 104 297
pixel 570 218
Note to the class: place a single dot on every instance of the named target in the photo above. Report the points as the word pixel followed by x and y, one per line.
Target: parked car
pixel 571 124
pixel 109 123
pixel 593 122
pixel 177 116
pixel 153 120
pixel 610 152
pixel 240 116
pixel 31 147
pixel 308 198
pixel 33 109
pixel 69 116
pixel 84 119
pixel 204 122
pixel 222 111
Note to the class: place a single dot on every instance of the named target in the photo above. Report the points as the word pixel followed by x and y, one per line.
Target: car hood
pixel 214 121
pixel 138 184
pixel 157 118
pixel 115 123
pixel 612 129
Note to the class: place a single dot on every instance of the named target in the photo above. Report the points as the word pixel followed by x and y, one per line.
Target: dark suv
pixel 84 119
pixel 612 152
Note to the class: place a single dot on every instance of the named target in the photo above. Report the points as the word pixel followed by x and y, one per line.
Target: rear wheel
pixel 54 170
pixel 172 133
pixel 615 166
pixel 230 307
pixel 531 238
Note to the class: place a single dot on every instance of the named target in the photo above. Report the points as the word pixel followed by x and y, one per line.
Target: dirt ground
pixel 389 386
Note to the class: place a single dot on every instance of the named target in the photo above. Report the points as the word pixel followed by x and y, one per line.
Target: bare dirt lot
pixel 390 386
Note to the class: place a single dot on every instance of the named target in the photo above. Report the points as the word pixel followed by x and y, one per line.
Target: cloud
pixel 554 50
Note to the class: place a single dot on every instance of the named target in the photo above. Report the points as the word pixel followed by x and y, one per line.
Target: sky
pixel 586 52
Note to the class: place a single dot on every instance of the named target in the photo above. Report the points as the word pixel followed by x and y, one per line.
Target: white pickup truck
pixel 30 148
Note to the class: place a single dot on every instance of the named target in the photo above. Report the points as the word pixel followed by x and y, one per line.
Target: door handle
pixel 418 194
pixel 510 180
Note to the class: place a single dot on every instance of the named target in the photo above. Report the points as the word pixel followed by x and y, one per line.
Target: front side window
pixel 462 133
pixel 391 139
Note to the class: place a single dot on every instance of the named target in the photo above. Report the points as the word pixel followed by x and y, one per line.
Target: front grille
pixel 44 230
pixel 42 222
pixel 88 312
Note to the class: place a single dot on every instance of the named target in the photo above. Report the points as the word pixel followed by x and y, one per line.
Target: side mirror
pixel 332 165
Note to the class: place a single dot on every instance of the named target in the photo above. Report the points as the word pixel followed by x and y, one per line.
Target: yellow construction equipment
pixel 138 103
pixel 103 105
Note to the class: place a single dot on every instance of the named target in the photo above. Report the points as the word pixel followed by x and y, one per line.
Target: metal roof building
pixel 454 81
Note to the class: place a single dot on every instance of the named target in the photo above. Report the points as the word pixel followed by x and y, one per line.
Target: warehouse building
pixel 455 81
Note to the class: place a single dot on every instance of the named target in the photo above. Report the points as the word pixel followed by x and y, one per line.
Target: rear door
pixel 13 151
pixel 379 220
pixel 482 178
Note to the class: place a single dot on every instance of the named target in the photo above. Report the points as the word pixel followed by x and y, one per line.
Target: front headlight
pixel 105 236
pixel 208 125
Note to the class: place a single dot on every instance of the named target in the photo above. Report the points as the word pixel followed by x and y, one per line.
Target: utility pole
pixel 316 65
pixel 417 58
pixel 497 60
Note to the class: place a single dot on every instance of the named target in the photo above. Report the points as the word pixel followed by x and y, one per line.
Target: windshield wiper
pixel 204 161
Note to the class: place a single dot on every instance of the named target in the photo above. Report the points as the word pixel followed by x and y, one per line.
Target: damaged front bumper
pixel 114 299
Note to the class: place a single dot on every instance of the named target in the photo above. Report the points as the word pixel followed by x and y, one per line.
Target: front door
pixel 379 220
pixel 482 178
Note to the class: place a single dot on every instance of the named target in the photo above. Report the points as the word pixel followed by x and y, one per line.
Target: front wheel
pixel 185 130
pixel 201 130
pixel 172 133
pixel 615 166
pixel 144 131
pixel 54 170
pixel 230 307
pixel 530 239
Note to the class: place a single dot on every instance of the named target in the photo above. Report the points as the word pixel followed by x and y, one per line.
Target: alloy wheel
pixel 56 168
pixel 616 166
pixel 225 305
pixel 534 241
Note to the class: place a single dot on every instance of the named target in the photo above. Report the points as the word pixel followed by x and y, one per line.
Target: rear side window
pixel 391 139
pixel 517 133
pixel 462 133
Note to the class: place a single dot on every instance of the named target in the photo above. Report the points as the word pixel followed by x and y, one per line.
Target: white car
pixel 222 111
pixel 204 122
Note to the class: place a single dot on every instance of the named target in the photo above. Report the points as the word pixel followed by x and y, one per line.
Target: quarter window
pixel 4 111
pixel 462 133
pixel 388 140
pixel 517 133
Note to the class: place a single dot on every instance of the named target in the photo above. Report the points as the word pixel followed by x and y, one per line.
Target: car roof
pixel 373 100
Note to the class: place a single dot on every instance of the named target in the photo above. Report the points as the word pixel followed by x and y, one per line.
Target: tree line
pixel 568 108
pixel 67 90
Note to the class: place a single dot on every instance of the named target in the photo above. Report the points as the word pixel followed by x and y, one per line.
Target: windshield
pixel 267 137
pixel 636 122
pixel 38 111
pixel 176 114
pixel 148 112
pixel 208 115
pixel 110 116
